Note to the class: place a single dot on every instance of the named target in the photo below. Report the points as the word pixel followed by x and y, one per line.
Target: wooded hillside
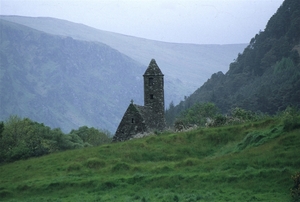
pixel 265 77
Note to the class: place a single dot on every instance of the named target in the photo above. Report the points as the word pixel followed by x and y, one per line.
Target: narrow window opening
pixel 151 96
pixel 132 120
pixel 150 81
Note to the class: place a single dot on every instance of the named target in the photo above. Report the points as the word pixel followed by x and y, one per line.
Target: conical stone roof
pixel 153 69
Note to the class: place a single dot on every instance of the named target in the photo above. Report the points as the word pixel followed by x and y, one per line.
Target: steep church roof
pixel 146 114
pixel 153 69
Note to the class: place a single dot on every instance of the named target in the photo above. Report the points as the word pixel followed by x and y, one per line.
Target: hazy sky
pixel 183 21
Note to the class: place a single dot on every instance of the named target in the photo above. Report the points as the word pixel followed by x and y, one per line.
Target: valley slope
pixel 67 75
pixel 186 66
pixel 64 82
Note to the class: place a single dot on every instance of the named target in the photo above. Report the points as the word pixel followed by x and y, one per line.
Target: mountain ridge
pixel 198 61
pixel 63 82
pixel 175 88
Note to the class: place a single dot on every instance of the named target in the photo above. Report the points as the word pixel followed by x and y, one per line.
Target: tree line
pixel 22 138
pixel 209 115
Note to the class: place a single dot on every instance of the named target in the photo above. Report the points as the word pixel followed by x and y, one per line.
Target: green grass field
pixel 247 162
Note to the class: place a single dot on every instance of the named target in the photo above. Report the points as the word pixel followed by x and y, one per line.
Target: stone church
pixel 150 117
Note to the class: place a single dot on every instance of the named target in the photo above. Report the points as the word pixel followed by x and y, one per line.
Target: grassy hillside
pixel 186 66
pixel 248 162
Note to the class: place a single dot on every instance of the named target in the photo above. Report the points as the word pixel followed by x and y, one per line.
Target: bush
pixel 121 167
pixel 219 120
pixel 291 119
pixel 245 115
pixel 197 115
pixel 92 136
pixel 22 138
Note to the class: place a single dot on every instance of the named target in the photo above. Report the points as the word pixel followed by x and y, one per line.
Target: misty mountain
pixel 64 82
pixel 265 77
pixel 186 66
pixel 67 75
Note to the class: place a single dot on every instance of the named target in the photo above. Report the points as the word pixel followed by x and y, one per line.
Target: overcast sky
pixel 182 21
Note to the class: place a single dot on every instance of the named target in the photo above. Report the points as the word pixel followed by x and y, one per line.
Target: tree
pixel 170 114
pixel 198 114
pixel 22 138
pixel 92 136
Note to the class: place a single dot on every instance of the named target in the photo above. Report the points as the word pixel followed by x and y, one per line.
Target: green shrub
pixel 291 119
pixel 219 120
pixel 196 115
pixel 243 114
pixel 22 138
pixel 92 136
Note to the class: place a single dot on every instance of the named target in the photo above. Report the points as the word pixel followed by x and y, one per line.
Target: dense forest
pixel 22 138
pixel 265 78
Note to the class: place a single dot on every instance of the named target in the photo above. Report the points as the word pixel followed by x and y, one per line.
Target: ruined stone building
pixel 150 117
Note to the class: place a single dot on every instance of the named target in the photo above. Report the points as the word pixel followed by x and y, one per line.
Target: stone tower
pixel 154 94
pixel 150 117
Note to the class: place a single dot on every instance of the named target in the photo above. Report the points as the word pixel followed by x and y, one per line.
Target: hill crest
pixel 198 61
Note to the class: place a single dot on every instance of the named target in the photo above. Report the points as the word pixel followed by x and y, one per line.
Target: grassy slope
pixel 248 162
